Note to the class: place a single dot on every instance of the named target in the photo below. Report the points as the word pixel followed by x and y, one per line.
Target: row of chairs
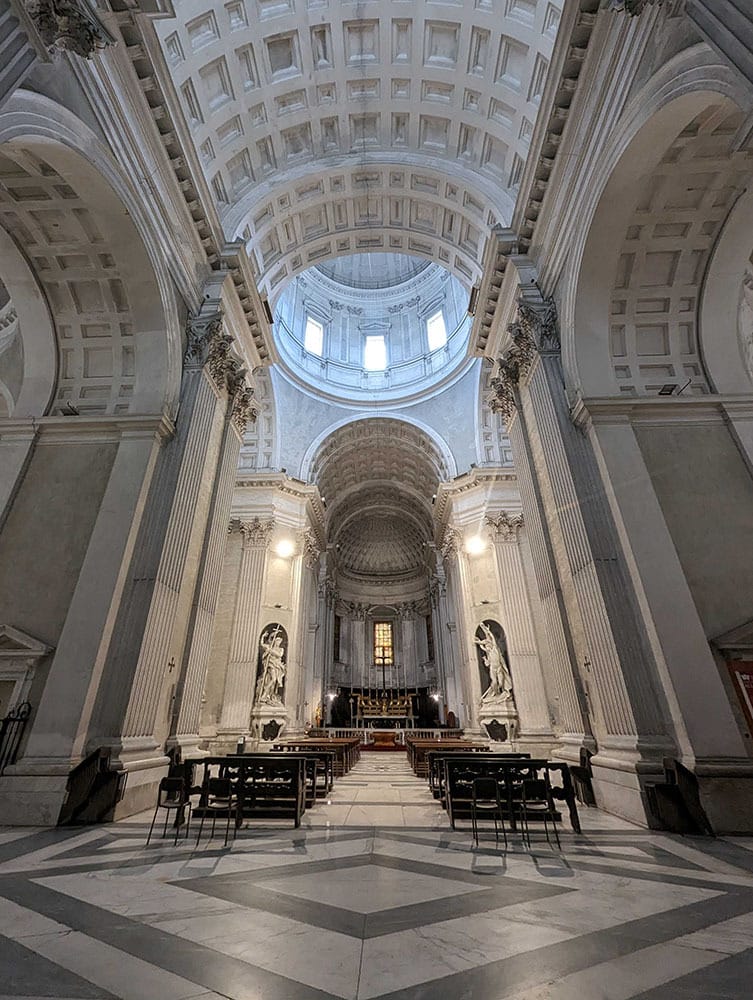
pixel 533 800
pixel 174 797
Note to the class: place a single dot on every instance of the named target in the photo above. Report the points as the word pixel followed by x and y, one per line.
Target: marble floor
pixel 373 897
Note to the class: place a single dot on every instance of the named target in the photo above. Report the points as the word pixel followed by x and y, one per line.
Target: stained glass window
pixel 383 656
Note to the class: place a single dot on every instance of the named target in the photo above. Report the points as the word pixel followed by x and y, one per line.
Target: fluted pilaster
pixel 522 648
pixel 244 643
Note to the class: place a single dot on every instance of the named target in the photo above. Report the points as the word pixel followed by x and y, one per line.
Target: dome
pixel 380 545
pixel 373 328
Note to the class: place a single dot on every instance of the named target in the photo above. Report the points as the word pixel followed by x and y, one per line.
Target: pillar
pixel 187 710
pixel 627 706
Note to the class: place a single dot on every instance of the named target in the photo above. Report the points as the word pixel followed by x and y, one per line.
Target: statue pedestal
pixel 498 719
pixel 268 723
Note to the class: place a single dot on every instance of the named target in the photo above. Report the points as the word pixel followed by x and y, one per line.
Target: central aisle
pixel 380 791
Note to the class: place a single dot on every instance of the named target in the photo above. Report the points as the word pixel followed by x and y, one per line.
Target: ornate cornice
pixel 505 527
pixel 256 533
pixel 69 26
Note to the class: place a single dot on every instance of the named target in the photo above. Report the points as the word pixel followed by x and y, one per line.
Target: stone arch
pixel 631 304
pixel 77 222
pixel 446 464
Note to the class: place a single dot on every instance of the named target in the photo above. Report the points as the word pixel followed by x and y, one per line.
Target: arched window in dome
pixel 375 353
pixel 313 338
pixel 436 331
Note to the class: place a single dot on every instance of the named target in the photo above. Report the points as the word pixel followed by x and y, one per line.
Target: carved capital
pixel 243 406
pixel 539 325
pixel 69 25
pixel 451 542
pixel 505 527
pixel 256 533
pixel 632 7
pixel 309 547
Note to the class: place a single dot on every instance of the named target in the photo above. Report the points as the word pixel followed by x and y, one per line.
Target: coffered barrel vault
pixel 328 128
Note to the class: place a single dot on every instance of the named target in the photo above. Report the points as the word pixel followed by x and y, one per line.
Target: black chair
pixel 218 796
pixel 534 799
pixel 172 797
pixel 486 801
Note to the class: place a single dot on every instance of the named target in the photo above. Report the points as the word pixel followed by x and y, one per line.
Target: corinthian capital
pixel 309 547
pixel 539 325
pixel 243 407
pixel 69 25
pixel 505 527
pixel 256 533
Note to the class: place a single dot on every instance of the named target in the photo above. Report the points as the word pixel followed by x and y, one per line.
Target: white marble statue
pixel 500 688
pixel 272 678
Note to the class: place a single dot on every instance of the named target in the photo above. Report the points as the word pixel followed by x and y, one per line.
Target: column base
pixel 726 792
pixel 621 769
pixel 188 746
pixel 146 764
pixel 32 792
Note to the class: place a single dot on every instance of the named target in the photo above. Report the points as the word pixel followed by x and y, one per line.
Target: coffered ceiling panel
pixel 329 127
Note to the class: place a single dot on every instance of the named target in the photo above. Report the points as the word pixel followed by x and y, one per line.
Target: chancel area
pixel 376 499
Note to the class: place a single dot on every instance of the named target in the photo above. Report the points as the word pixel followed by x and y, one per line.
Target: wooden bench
pixel 436 758
pixel 418 748
pixel 325 764
pixel 268 785
pixel 347 750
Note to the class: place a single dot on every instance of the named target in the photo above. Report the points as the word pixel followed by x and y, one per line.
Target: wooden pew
pixel 347 750
pixel 266 784
pixel 418 748
pixel 435 759
pixel 325 769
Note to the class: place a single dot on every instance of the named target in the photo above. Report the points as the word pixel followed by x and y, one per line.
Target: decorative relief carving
pixel 505 526
pixel 534 331
pixel 540 326
pixel 309 548
pixel 408 610
pixel 69 25
pixel 255 533
pixel 244 407
pixel 356 610
pixel 451 542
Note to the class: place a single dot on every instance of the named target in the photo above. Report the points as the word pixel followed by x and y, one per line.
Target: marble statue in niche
pixel 270 684
pixel 494 658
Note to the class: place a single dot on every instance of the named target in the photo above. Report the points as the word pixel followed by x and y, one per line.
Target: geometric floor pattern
pixel 375 897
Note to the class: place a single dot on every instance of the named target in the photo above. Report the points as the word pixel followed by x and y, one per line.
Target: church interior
pixel 376 499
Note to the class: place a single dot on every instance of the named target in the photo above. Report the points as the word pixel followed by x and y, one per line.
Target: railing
pixel 11 733
pixel 363 734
